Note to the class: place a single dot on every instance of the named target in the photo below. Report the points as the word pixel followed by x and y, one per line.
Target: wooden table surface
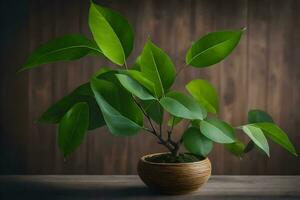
pixel 130 187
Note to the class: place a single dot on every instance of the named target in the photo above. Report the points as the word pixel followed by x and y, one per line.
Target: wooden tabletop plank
pixel 131 187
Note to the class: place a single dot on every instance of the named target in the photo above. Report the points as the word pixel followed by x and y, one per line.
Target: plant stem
pixel 180 69
pixel 125 64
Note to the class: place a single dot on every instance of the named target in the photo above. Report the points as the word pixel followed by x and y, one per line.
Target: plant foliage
pixel 123 98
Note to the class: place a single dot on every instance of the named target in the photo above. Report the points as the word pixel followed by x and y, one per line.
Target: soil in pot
pixel 168 158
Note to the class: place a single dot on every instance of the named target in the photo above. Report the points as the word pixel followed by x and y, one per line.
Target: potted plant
pixel 135 98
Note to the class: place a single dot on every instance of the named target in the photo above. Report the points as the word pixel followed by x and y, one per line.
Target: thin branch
pixel 125 64
pixel 180 69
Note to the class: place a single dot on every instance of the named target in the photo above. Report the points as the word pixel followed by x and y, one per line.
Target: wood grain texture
pixel 263 72
pixel 131 187
pixel 174 178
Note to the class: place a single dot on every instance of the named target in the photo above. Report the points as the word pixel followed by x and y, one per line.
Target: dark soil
pixel 168 158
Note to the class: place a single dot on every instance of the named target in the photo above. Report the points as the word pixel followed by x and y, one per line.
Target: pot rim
pixel 142 159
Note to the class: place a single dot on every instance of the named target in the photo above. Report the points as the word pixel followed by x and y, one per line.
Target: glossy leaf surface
pixel 69 47
pixel 255 116
pixel 156 65
pixel 277 135
pixel 182 106
pixel 73 127
pixel 197 143
pixel 236 148
pixel 83 93
pixel 212 48
pixel 154 110
pixel 258 137
pixel 205 94
pixel 217 130
pixel 134 87
pixel 121 114
pixel 139 77
pixel 112 33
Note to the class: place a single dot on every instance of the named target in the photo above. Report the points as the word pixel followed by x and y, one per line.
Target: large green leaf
pixel 69 47
pixel 205 94
pixel 272 131
pixel 237 148
pixel 83 93
pixel 112 33
pixel 212 48
pixel 157 67
pixel 258 137
pixel 197 143
pixel 217 130
pixel 72 128
pixel 134 87
pixel 183 106
pixel 121 114
pixel 255 116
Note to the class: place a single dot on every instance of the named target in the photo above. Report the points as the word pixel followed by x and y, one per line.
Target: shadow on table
pixel 49 191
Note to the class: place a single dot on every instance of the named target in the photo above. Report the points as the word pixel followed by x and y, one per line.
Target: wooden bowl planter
pixel 174 178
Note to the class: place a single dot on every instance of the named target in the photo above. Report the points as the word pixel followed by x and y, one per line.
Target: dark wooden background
pixel 263 72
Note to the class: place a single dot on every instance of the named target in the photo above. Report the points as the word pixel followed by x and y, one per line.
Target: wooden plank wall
pixel 263 72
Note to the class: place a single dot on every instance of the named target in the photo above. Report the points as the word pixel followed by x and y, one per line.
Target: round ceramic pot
pixel 174 178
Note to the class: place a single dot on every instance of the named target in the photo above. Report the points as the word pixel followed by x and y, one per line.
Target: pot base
pixel 174 178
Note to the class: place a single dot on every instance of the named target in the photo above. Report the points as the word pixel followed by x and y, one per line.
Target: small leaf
pixel 134 87
pixel 255 116
pixel 73 127
pixel 212 48
pixel 277 135
pixel 217 130
pixel 205 94
pixel 182 106
pixel 237 148
pixel 258 137
pixel 112 33
pixel 69 47
pixel 197 143
pixel 121 114
pixel 157 67
pixel 83 93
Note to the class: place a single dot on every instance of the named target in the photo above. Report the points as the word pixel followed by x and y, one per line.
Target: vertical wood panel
pixel 263 72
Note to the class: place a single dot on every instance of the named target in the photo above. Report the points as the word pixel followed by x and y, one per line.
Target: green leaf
pixel 237 148
pixel 217 130
pixel 197 143
pixel 154 110
pixel 83 93
pixel 73 127
pixel 277 135
pixel 258 137
pixel 205 94
pixel 157 67
pixel 112 33
pixel 212 48
pixel 139 77
pixel 69 47
pixel 255 116
pixel 182 106
pixel 121 114
pixel 134 87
